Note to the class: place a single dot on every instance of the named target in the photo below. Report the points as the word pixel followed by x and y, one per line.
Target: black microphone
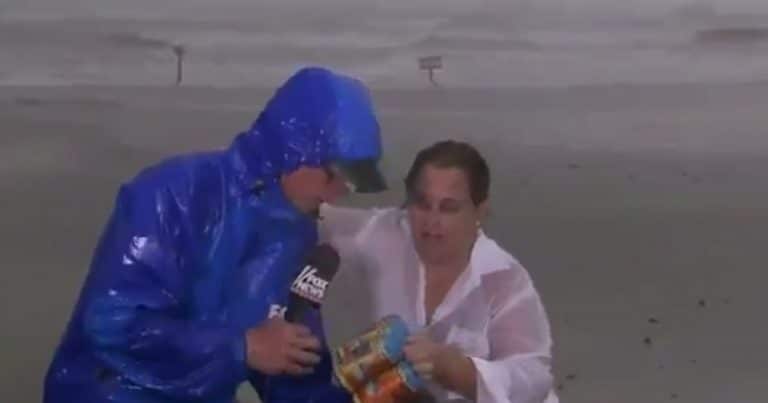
pixel 309 287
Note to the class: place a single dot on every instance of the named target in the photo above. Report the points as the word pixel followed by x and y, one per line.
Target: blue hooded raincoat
pixel 200 248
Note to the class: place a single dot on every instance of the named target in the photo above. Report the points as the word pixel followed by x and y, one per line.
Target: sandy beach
pixel 640 212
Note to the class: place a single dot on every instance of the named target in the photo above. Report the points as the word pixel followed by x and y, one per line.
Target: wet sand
pixel 640 212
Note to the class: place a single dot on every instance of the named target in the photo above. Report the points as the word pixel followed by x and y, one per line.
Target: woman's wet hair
pixel 453 154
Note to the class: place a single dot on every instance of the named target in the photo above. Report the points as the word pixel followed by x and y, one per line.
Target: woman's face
pixel 442 216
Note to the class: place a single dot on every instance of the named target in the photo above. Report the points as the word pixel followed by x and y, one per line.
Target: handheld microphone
pixel 309 287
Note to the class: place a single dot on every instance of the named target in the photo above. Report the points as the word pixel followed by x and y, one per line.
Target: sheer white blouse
pixel 492 313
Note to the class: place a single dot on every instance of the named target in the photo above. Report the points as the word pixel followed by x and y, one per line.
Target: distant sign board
pixel 431 63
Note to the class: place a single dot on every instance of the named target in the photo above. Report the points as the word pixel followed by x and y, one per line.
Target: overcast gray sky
pixel 127 8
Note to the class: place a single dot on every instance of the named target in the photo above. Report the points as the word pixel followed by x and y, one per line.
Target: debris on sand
pixel 647 341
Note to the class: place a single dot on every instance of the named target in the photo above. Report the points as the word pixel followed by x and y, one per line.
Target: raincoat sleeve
pixel 135 314
pixel 518 369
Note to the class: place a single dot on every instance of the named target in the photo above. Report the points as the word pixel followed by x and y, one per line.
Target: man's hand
pixel 278 347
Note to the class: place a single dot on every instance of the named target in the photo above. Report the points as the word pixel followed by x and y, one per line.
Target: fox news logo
pixel 309 285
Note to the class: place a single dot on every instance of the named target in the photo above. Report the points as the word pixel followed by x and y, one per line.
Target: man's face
pixel 309 187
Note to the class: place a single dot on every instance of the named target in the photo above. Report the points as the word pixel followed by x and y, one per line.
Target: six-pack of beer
pixel 372 366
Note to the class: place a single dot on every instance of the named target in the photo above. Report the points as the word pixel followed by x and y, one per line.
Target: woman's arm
pixel 459 373
pixel 340 227
pixel 339 223
pixel 518 368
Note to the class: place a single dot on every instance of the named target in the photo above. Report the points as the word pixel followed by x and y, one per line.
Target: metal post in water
pixel 179 51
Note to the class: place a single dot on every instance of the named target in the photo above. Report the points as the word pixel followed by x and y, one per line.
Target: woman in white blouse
pixel 483 332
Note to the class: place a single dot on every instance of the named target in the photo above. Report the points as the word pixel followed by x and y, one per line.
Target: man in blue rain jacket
pixel 187 284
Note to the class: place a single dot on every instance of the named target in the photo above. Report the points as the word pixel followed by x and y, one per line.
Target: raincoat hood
pixel 316 118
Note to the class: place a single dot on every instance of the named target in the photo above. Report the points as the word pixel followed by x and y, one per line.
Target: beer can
pixel 391 327
pixel 370 354
pixel 396 385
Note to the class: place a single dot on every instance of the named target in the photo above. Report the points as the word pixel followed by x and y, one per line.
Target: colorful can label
pixel 371 354
pixel 396 385
pixel 391 328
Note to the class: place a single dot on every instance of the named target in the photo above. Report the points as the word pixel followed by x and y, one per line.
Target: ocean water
pixel 261 49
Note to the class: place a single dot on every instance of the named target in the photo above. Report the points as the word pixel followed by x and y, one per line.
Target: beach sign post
pixel 430 64
pixel 179 51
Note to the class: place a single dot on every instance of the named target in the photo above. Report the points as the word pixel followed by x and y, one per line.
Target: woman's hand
pixel 423 354
pixel 444 364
